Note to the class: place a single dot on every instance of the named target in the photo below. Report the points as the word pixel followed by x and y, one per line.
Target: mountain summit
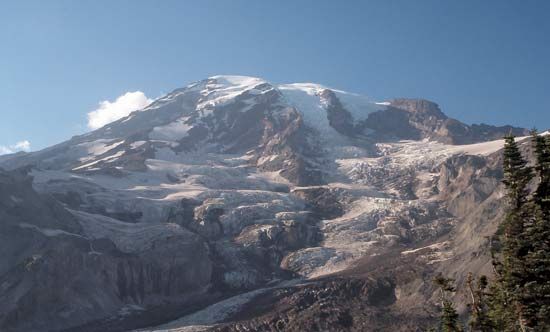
pixel 234 199
pixel 238 114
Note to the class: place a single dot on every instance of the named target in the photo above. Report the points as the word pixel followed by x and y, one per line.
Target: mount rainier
pixel 234 204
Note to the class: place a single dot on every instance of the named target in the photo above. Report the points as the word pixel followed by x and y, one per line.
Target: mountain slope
pixel 234 185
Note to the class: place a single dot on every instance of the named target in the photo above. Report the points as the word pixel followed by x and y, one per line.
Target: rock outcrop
pixel 415 119
pixel 53 268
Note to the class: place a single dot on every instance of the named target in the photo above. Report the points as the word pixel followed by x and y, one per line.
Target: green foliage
pixel 479 319
pixel 449 321
pixel 513 244
pixel 500 310
pixel 517 174
pixel 541 147
pixel 520 298
pixel 449 318
pixel 535 293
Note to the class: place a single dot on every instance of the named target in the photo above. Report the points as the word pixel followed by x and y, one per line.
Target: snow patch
pixel 98 147
pixel 223 89
pixel 306 99
pixel 485 148
pixel 358 105
pixel 49 232
pixel 128 237
pixel 108 159
pixel 215 313
pixel 174 131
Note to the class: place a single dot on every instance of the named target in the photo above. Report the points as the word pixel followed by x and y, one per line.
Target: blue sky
pixel 482 61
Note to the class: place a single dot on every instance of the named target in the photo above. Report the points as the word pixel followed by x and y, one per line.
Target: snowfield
pixel 171 176
pixel 306 97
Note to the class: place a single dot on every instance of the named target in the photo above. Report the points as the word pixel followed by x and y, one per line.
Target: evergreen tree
pixel 513 243
pixel 541 146
pixel 517 174
pixel 500 310
pixel 535 295
pixel 449 321
pixel 479 319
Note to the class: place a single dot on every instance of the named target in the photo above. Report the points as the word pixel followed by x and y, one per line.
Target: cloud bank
pixel 108 111
pixel 19 146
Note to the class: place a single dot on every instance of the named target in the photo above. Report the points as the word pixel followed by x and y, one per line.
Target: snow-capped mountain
pixel 233 186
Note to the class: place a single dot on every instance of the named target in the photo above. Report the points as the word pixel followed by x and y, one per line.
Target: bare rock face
pixel 20 207
pixel 87 286
pixel 339 118
pixel 419 119
pixel 207 220
pixel 328 305
pixel 21 204
pixel 283 149
pixel 326 203
pixel 53 269
pixel 419 107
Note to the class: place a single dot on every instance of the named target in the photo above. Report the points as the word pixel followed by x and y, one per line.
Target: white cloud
pixel 23 145
pixel 5 150
pixel 108 112
pixel 19 146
